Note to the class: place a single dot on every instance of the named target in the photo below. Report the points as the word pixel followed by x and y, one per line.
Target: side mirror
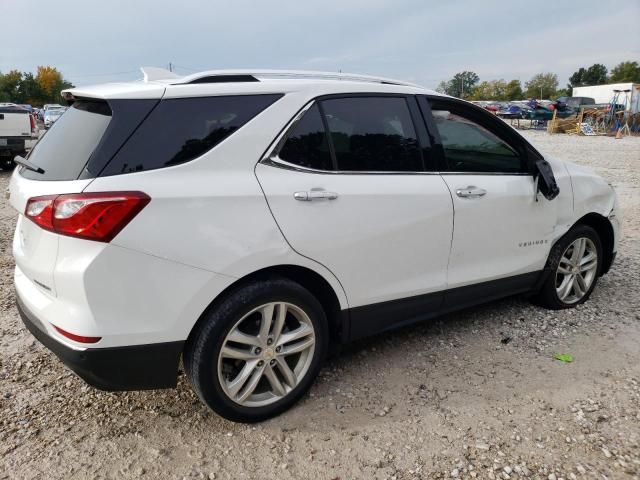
pixel 545 181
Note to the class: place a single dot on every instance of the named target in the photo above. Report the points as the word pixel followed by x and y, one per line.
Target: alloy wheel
pixel 576 270
pixel 266 354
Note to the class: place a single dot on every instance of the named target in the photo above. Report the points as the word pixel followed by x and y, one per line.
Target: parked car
pixel 52 115
pixel 46 107
pixel 244 221
pixel 514 111
pixel 574 102
pixel 17 126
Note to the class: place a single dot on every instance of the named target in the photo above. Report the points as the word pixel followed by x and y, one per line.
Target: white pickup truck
pixel 17 127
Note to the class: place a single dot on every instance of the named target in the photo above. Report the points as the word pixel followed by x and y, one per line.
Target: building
pixel 605 93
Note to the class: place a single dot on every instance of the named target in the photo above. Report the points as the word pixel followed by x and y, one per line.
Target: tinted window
pixel 179 130
pixel 307 144
pixel 470 147
pixel 372 134
pixel 63 151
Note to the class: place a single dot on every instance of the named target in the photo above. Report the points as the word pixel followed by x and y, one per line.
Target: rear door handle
pixel 471 192
pixel 315 195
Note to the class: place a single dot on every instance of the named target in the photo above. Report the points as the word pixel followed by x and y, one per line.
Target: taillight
pixel 33 123
pixel 77 338
pixel 94 216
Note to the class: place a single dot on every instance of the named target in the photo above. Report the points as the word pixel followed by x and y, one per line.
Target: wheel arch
pixel 603 228
pixel 309 279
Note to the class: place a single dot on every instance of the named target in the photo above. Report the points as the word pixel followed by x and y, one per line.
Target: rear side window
pixel 179 130
pixel 64 150
pixel 373 134
pixel 307 143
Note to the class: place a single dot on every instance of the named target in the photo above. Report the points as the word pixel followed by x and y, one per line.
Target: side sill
pixel 376 318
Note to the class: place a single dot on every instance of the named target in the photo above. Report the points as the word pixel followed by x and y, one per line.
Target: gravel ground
pixel 474 395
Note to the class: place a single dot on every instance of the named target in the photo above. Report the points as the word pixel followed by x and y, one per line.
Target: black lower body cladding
pixel 136 367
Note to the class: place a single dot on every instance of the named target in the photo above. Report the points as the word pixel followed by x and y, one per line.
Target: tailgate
pixel 35 250
pixel 13 124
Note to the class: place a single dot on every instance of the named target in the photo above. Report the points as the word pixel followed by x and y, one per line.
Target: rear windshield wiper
pixel 27 164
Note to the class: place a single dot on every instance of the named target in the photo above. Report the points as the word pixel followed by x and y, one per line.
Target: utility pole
pixel 461 87
pixel 540 93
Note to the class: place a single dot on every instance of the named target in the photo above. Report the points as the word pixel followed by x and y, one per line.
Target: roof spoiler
pixel 153 73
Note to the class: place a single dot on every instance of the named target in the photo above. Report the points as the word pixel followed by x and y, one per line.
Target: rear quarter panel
pixel 211 213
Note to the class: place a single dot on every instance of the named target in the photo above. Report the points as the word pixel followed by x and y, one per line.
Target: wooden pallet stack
pixel 569 125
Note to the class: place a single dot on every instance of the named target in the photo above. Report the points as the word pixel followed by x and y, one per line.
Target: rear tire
pixel 574 265
pixel 257 352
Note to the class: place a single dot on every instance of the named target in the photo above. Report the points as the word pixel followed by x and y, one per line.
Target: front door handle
pixel 315 195
pixel 471 192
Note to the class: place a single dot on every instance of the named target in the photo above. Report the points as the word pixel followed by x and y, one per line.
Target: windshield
pixel 65 149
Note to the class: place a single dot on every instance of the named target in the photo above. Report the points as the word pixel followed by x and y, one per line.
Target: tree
pixel 491 90
pixel 513 90
pixel 24 87
pixel 625 72
pixel 483 91
pixel 577 79
pixel 442 87
pixel 48 79
pixel 542 85
pixel 596 74
pixel 4 97
pixel 51 83
pixel 461 85
pixel 29 90
pixel 9 85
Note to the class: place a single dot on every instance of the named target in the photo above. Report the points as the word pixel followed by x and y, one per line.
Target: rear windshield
pixel 98 139
pixel 63 151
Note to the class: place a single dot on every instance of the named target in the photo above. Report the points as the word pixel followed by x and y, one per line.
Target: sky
pixel 422 41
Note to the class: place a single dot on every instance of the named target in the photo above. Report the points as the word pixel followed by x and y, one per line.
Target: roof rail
pixel 284 75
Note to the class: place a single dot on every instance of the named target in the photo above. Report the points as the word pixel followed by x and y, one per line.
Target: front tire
pixel 574 265
pixel 258 351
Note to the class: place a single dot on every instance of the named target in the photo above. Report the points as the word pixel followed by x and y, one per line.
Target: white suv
pixel 243 221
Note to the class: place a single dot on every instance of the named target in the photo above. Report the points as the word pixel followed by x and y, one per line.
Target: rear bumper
pixel 136 367
pixel 13 144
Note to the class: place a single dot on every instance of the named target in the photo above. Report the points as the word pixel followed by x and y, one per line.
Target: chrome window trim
pixel 279 141
pixel 271 158
pixel 277 162
pixel 511 174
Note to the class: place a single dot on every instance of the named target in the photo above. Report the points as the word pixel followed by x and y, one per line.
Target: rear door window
pixel 64 150
pixel 179 130
pixel 307 143
pixel 373 134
